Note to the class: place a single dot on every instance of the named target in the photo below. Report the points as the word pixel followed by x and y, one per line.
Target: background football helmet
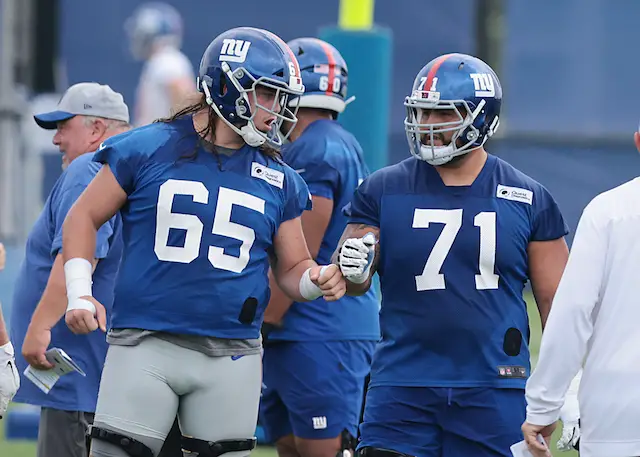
pixel 324 74
pixel 153 24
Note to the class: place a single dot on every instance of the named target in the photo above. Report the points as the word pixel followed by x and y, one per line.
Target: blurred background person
pixel 155 36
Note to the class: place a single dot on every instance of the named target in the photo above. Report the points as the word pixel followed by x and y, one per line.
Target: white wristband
pixel 307 288
pixel 77 272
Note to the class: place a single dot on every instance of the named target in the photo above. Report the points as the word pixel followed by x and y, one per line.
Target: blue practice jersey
pixel 330 160
pixel 453 265
pixel 72 392
pixel 198 229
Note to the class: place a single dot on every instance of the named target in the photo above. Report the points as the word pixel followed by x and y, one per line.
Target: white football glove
pixel 570 414
pixel 356 257
pixel 9 377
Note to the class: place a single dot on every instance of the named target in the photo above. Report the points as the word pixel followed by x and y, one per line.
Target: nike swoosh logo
pixel 236 357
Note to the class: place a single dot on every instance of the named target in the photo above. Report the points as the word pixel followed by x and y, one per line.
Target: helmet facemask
pixel 422 137
pixel 243 120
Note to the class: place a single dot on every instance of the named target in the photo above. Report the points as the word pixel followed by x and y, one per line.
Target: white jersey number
pixel 222 225
pixel 431 278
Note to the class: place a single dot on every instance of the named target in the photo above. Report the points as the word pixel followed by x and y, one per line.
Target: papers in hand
pixel 520 449
pixel 62 365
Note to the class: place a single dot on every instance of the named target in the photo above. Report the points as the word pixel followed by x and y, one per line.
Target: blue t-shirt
pixel 198 230
pixel 72 392
pixel 453 265
pixel 330 160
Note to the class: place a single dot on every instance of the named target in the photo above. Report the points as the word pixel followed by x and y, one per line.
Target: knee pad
pixel 369 451
pixel 216 448
pixel 129 445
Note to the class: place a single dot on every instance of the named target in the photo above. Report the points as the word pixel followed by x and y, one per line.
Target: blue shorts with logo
pixel 313 389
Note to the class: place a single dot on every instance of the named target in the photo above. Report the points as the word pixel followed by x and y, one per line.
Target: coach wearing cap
pixel 87 114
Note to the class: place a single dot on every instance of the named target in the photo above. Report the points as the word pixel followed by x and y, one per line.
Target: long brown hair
pixel 196 102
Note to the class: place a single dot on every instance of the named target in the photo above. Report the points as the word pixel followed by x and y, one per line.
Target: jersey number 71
pixel 431 278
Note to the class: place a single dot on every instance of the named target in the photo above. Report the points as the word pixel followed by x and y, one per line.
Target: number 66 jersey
pixel 198 228
pixel 453 265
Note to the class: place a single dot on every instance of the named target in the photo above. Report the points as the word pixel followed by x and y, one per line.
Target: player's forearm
pixel 544 307
pixel 547 261
pixel 279 303
pixel 79 235
pixel 4 335
pixel 289 279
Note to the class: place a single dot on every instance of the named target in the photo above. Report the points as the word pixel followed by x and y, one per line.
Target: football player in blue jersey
pixel 454 234
pixel 317 357
pixel 207 207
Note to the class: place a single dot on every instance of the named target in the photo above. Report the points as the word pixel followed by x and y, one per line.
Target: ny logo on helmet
pixel 483 84
pixel 234 50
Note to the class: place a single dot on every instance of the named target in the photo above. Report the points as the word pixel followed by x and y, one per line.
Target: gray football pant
pixel 144 386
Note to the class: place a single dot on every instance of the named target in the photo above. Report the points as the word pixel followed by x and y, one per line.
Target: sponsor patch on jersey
pixel 273 177
pixel 514 371
pixel 515 194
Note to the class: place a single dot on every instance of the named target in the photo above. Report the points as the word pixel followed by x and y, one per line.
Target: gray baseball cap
pixel 87 99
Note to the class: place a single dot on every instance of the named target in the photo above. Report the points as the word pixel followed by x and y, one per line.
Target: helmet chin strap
pixel 443 154
pixel 251 136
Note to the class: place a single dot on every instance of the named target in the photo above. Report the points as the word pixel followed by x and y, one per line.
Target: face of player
pixel 74 137
pixel 439 116
pixel 265 103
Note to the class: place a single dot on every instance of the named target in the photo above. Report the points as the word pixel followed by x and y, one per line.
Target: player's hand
pixel 9 377
pixel 530 433
pixel 3 256
pixel 82 321
pixel 356 257
pixel 35 344
pixel 331 282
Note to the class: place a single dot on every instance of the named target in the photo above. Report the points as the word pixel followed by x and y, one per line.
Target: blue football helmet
pixel 324 74
pixel 153 24
pixel 453 82
pixel 234 65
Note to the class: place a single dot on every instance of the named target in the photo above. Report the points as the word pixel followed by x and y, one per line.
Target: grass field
pixel 28 449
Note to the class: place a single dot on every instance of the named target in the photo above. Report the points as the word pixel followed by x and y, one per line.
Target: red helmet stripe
pixel 432 72
pixel 332 66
